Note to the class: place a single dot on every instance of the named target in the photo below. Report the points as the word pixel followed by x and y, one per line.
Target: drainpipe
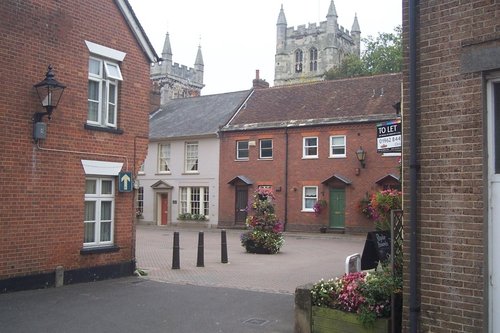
pixel 286 180
pixel 414 305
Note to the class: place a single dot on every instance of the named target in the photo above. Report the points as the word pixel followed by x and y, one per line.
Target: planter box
pixel 326 320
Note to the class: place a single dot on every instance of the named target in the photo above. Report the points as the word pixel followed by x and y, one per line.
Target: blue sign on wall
pixel 125 181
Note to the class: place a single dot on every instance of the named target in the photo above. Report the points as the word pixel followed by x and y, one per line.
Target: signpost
pixel 125 181
pixel 389 137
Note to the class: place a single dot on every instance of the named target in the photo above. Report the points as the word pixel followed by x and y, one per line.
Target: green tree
pixel 383 54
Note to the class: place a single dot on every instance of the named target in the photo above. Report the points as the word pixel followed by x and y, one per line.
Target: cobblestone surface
pixel 304 258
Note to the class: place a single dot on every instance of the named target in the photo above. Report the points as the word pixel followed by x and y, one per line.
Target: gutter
pixel 414 304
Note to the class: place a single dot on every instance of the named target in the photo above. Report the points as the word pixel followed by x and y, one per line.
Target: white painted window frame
pixel 306 199
pixel 332 146
pixel 305 147
pixel 99 198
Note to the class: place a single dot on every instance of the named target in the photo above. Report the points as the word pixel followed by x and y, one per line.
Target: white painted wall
pixel 208 168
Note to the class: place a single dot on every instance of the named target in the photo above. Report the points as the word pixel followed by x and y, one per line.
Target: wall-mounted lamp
pixel 361 155
pixel 49 93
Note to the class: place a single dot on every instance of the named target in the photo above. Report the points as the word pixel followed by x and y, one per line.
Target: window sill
pixel 162 173
pixel 99 249
pixel 242 160
pixel 103 129
pixel 310 157
pixel 340 156
pixel 190 173
pixel 265 159
pixel 307 211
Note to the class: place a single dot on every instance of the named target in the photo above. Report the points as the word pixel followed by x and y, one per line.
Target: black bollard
pixel 176 261
pixel 223 245
pixel 201 259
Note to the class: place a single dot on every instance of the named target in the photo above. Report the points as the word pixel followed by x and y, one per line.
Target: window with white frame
pixel 337 146
pixel 242 150
pixel 266 148
pixel 194 200
pixel 99 211
pixel 309 198
pixel 140 201
pixel 164 157
pixel 104 76
pixel 310 147
pixel 191 157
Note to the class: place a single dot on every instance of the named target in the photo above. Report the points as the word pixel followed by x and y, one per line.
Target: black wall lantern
pixel 49 93
pixel 361 155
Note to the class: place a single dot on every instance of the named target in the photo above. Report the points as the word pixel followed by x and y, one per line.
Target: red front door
pixel 164 209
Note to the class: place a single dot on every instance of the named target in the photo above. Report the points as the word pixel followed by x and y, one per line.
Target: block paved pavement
pixel 304 258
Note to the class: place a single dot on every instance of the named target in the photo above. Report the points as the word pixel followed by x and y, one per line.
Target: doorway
pixel 241 204
pixel 493 99
pixel 164 209
pixel 337 208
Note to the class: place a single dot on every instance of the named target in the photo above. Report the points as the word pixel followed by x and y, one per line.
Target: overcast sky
pixel 237 36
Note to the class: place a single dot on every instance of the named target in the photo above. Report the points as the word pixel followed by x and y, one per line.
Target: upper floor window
pixel 337 146
pixel 103 79
pixel 266 148
pixel 309 198
pixel 242 150
pixel 164 157
pixel 299 58
pixel 310 147
pixel 99 211
pixel 313 56
pixel 191 157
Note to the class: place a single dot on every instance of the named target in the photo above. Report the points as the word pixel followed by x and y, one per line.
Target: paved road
pixel 303 259
pixel 250 294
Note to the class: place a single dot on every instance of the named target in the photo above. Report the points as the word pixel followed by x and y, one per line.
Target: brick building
pixel 301 140
pixel 451 166
pixel 61 205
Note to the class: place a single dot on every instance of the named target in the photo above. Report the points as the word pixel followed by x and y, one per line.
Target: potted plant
pixel 359 301
pixel 265 231
pixel 319 206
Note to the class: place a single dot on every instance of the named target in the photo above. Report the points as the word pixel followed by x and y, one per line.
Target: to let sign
pixel 125 181
pixel 389 137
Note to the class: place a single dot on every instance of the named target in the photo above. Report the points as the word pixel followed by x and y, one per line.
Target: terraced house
pixel 313 143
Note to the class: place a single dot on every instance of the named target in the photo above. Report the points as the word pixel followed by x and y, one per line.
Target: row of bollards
pixel 200 261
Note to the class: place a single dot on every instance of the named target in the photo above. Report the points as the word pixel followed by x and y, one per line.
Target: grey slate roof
pixel 194 116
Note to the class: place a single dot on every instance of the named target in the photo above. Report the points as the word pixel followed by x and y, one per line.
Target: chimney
pixel 258 82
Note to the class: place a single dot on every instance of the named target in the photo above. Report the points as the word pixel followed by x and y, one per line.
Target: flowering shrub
pixel 265 231
pixel 378 207
pixel 366 294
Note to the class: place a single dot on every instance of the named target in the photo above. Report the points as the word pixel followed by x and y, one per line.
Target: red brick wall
pixel 305 172
pixel 41 215
pixel 451 222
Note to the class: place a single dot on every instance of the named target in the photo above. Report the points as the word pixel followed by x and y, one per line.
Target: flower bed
pixel 366 295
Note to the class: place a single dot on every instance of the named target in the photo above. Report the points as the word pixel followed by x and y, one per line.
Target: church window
pixel 313 56
pixel 299 57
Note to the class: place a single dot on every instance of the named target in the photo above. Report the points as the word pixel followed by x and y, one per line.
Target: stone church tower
pixel 305 54
pixel 174 80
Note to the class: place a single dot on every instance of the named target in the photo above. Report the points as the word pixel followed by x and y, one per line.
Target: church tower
pixel 306 53
pixel 174 80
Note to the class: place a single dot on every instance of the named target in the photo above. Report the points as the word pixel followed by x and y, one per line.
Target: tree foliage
pixel 383 54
